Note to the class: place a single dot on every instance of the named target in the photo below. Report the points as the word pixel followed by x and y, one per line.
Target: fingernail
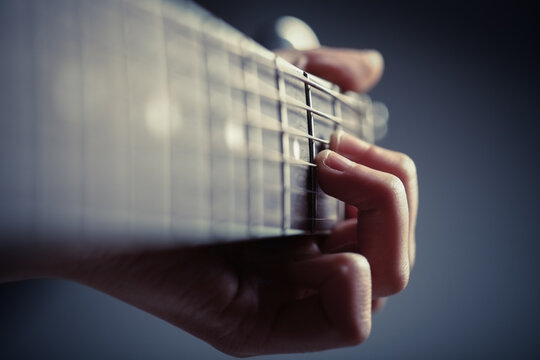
pixel 337 162
pixel 335 139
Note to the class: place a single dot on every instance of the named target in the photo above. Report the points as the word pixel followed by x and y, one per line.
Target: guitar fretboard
pixel 154 121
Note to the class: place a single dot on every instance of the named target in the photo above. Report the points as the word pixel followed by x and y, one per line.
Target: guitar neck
pixel 155 122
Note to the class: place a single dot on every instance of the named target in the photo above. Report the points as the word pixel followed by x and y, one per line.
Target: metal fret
pixel 336 105
pixel 254 145
pixel 225 128
pixel 291 102
pixel 257 122
pixel 185 129
pixel 228 38
pixel 245 81
pixel 210 190
pixel 188 109
pixel 285 172
pixel 358 100
pixel 312 173
pixel 148 122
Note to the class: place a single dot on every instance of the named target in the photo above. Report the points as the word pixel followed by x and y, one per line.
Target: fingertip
pixel 369 71
pixel 322 156
pixel 335 139
pixel 392 284
pixel 336 162
pixel 375 60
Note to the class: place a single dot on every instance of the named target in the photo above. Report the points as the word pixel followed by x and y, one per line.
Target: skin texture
pixel 285 296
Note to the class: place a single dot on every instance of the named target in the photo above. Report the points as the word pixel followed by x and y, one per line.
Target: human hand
pixel 287 295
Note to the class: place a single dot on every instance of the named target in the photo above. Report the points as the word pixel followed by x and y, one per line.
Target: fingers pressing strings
pixel 383 217
pixel 387 161
pixel 352 70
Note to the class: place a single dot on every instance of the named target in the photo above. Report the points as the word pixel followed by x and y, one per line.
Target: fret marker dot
pixel 234 136
pixel 296 149
pixel 162 118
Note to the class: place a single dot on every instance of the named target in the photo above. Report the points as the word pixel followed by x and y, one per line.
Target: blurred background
pixel 462 86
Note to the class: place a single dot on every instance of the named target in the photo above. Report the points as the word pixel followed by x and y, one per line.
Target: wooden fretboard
pixel 155 122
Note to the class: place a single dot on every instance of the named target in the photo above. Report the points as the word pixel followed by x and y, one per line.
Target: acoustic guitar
pixel 154 122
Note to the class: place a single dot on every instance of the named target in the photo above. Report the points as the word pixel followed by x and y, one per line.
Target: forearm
pixel 17 263
pixel 22 261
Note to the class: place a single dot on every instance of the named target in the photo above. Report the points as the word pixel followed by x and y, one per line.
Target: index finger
pixel 352 70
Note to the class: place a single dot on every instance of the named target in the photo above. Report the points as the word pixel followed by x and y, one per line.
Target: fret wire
pixel 255 53
pixel 211 193
pixel 205 185
pixel 312 172
pixel 256 217
pixel 220 214
pixel 166 44
pixel 289 101
pixel 293 102
pixel 170 13
pixel 285 170
pixel 335 93
pixel 248 54
pixel 221 41
pixel 247 141
pixel 271 61
pixel 252 51
pixel 269 123
pixel 231 192
pixel 296 132
pixel 336 109
pixel 259 55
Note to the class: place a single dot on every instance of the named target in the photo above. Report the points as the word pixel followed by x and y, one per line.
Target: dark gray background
pixel 461 83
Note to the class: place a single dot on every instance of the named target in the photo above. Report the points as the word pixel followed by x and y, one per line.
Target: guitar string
pixel 274 62
pixel 246 49
pixel 290 101
pixel 269 123
pixel 266 122
pixel 249 51
pixel 285 142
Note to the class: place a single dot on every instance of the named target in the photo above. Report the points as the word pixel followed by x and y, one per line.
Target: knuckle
pixel 401 280
pixel 358 334
pixel 396 283
pixel 393 188
pixel 407 167
pixel 348 263
pixel 355 269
